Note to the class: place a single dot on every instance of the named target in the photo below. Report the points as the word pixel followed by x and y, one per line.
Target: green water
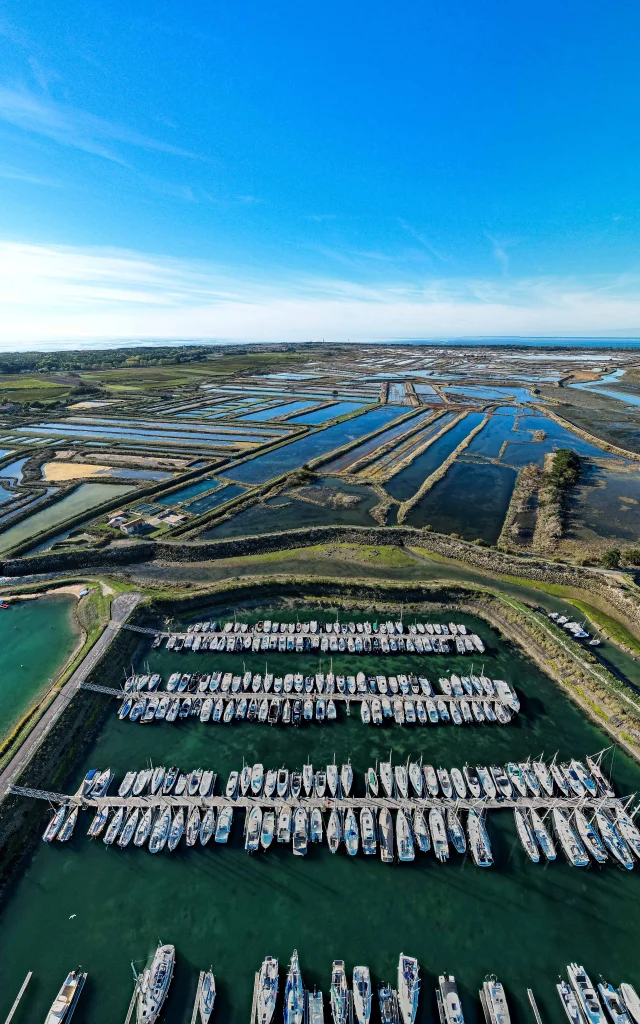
pixel 36 638
pixel 84 498
pixel 218 906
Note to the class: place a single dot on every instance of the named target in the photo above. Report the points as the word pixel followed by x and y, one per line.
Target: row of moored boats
pixel 583 1002
pixel 230 643
pixel 405 699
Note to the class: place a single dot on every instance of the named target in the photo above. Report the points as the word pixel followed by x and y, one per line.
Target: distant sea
pixel 507 342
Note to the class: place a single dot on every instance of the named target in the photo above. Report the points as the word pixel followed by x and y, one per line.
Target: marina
pixel 209 890
pixel 159 806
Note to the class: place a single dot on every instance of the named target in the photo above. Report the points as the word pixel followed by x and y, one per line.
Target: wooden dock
pixel 325 803
pixel 534 1006
pixel 18 998
pixel 132 1004
pixel 196 1006
pixel 254 1000
pixel 291 695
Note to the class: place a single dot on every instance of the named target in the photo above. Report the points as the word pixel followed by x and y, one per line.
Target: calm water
pixel 607 504
pixel 219 907
pixel 520 394
pixel 331 413
pixel 609 378
pixel 344 461
pixel 36 638
pixel 471 500
pixel 209 501
pixel 85 497
pixel 294 455
pixel 410 479
pixel 14 470
pixel 278 410
pixel 289 513
pixel 491 438
pixel 192 491
pixel 217 440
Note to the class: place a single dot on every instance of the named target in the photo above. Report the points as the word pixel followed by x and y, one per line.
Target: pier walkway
pixel 18 998
pixel 196 1006
pixel 290 695
pixel 121 608
pixel 326 803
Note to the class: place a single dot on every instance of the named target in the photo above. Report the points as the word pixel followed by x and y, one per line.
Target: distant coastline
pixel 603 343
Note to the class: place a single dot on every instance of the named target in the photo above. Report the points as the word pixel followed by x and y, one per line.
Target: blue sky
pixel 253 170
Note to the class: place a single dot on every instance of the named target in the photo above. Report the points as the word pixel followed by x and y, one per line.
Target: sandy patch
pixel 88 405
pixel 71 470
pixel 70 588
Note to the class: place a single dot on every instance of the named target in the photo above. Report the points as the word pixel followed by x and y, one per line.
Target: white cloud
pixel 69 126
pixel 52 293
pixel 17 174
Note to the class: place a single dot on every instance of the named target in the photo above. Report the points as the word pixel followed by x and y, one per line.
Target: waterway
pixel 609 378
pixel 105 907
pixel 36 639
pixel 84 498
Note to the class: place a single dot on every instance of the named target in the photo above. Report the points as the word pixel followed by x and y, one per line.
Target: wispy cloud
pixel 17 174
pixel 499 249
pixel 52 293
pixel 75 128
pixel 423 240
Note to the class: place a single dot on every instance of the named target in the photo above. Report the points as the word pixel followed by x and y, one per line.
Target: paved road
pixel 121 608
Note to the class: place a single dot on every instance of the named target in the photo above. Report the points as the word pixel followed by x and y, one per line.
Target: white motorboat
pixel 449 1005
pixel 64 1004
pixel 494 1001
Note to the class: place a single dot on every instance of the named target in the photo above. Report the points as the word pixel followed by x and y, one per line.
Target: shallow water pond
pixel 297 453
pixel 191 491
pixel 288 512
pixel 408 480
pixel 607 504
pixel 471 501
pixel 84 498
pixel 345 461
pixel 330 413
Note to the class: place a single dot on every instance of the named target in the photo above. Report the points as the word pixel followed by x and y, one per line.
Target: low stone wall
pixel 63 561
